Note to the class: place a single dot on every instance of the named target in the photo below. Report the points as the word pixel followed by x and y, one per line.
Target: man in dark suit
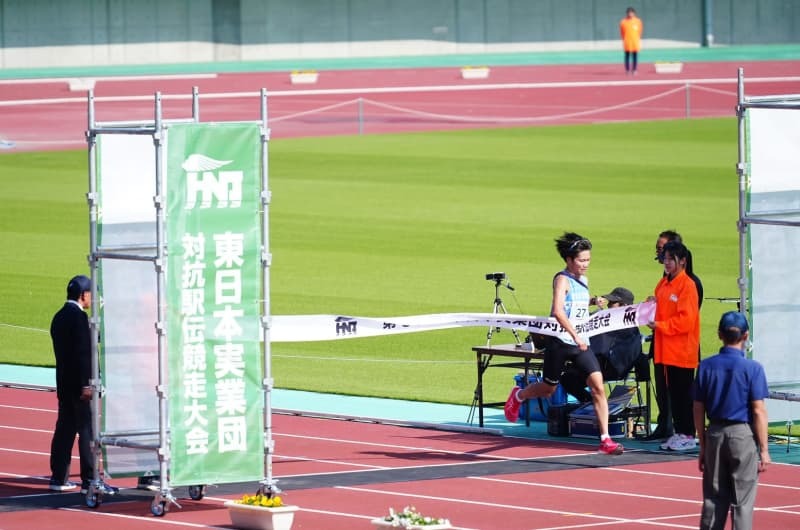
pixel 72 346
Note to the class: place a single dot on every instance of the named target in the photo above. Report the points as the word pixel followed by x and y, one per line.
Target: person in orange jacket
pixel 676 337
pixel 630 29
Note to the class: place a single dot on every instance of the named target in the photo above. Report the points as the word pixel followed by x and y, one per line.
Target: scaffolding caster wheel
pixel 158 508
pixel 196 493
pixel 93 498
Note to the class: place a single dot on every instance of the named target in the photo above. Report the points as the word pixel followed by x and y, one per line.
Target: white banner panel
pixel 775 303
pixel 773 160
pixel 127 292
pixel 773 250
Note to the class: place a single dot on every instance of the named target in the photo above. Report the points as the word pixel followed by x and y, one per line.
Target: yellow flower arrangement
pixel 261 500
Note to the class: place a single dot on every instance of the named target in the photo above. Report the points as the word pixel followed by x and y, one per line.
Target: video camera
pixel 496 276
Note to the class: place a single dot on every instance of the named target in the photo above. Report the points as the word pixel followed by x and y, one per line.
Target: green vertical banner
pixel 213 296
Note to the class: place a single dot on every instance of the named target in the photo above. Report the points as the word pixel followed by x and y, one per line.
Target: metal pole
pixel 741 171
pixel 268 484
pixel 688 100
pixel 91 199
pixel 360 116
pixel 708 23
pixel 196 104
pixel 161 389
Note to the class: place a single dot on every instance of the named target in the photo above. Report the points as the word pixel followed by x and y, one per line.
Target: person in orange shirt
pixel 676 337
pixel 630 29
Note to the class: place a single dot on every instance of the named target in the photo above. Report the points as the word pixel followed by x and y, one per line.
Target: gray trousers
pixel 730 478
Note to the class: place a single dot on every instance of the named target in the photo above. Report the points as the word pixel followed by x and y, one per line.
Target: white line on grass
pixel 26 328
pixel 372 360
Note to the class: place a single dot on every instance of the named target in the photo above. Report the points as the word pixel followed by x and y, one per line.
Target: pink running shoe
pixel 610 447
pixel 512 406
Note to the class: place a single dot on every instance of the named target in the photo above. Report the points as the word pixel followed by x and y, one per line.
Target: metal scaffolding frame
pixel 780 217
pixel 149 440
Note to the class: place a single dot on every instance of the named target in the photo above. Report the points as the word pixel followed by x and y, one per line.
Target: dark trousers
pixel 664 423
pixel 679 393
pixel 74 417
pixel 631 60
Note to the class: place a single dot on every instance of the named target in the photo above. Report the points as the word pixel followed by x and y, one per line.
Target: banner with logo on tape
pixel 302 328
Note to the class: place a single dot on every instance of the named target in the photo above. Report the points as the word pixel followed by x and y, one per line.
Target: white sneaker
pixel 684 443
pixel 665 445
pixel 62 486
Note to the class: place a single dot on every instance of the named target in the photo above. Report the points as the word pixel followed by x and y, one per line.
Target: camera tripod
pixel 499 308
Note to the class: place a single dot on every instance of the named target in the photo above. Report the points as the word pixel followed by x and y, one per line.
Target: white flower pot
pixel 301 78
pixel 474 73
pixel 248 517
pixel 669 68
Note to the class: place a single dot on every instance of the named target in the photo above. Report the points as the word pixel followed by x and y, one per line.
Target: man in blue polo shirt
pixel 730 390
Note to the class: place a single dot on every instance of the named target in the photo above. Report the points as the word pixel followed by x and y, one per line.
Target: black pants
pixel 631 60
pixel 664 422
pixel 679 395
pixel 74 417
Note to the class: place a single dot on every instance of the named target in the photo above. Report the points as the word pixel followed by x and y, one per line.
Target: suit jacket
pixel 73 350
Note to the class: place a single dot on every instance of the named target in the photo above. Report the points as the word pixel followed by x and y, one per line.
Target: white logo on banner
pixel 225 187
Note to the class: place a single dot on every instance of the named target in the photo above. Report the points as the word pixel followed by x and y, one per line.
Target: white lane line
pixel 483 503
pixel 27 408
pixel 282 458
pixel 11 428
pixel 145 519
pixel 67 79
pixel 432 449
pixel 587 490
pixel 761 482
pixel 403 90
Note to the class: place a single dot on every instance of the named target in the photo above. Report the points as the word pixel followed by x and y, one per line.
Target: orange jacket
pixel 630 29
pixel 677 332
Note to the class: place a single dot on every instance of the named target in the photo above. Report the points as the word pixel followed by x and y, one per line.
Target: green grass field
pixel 409 224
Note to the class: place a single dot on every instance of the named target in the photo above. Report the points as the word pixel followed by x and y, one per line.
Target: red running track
pixel 631 492
pixel 46 114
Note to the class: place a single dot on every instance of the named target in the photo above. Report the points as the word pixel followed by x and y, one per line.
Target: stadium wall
pixel 42 33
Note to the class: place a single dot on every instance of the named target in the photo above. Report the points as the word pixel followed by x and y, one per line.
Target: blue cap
pixel 733 319
pixel 77 286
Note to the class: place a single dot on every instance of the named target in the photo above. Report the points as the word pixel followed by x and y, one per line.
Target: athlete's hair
pixel 571 244
pixel 677 250
pixel 671 235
